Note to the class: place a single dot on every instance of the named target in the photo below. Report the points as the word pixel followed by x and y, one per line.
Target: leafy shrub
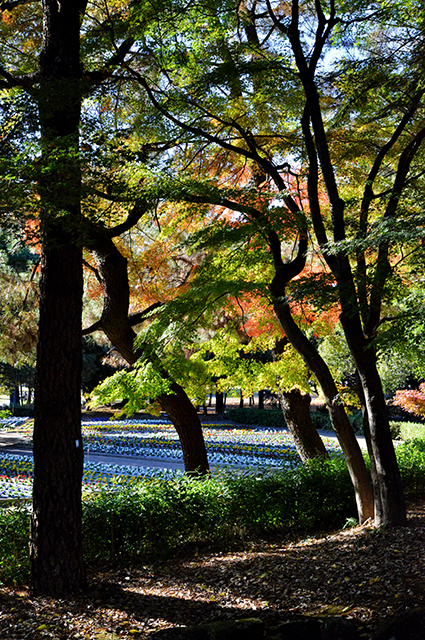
pixel 158 515
pixel 14 533
pixel 395 430
pixel 411 400
pixel 274 418
pixel 324 494
pixel 411 430
pixel 154 516
pixel 411 462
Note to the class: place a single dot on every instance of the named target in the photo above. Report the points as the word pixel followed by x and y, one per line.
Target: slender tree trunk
pixel 390 507
pixel 366 431
pixel 219 402
pixel 343 429
pixel 186 421
pixel 296 410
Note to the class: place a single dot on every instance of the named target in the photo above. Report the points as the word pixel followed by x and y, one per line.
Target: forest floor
pixel 365 574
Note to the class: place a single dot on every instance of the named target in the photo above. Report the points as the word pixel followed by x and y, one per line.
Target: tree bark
pixel 186 422
pixel 390 505
pixel 390 508
pixel 343 429
pixel 219 402
pixel 116 325
pixel 261 399
pixel 296 410
pixel 56 548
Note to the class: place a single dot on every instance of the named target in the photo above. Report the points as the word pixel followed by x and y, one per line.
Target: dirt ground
pixel 364 574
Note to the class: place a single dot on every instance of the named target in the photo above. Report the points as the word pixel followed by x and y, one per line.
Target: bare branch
pixel 11 4
pixel 93 269
pixel 137 318
pixel 97 326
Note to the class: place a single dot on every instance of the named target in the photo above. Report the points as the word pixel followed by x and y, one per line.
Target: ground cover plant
pixel 130 511
pixel 171 550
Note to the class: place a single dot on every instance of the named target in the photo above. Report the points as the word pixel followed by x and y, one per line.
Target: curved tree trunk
pixel 343 429
pixel 56 525
pixel 186 422
pixel 116 324
pixel 296 411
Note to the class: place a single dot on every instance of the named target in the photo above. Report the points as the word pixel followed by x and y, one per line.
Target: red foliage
pixel 411 400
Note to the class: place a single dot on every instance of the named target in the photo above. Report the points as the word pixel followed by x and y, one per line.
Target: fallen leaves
pixel 361 573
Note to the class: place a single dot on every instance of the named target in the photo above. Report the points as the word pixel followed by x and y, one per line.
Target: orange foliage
pixel 411 400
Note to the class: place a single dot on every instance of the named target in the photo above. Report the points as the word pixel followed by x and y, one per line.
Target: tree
pixel 223 118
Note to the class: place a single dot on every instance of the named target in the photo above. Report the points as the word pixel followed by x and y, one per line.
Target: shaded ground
pixel 364 574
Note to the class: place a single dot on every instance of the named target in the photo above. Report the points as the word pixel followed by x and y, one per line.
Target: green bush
pixel 411 462
pixel 155 516
pixel 411 430
pixel 14 535
pixel 158 515
pixel 274 418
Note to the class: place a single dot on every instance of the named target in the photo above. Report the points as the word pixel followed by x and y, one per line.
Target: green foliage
pixel 411 461
pixel 138 386
pixel 274 417
pixel 14 533
pixel 408 431
pixel 155 516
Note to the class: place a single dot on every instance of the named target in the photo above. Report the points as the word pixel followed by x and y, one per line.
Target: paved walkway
pixel 107 458
pixel 17 443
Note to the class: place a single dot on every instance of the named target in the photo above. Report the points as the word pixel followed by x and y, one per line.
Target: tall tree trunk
pixel 366 431
pixel 219 402
pixel 261 399
pixel 56 526
pixel 343 429
pixel 56 533
pixel 296 410
pixel 390 507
